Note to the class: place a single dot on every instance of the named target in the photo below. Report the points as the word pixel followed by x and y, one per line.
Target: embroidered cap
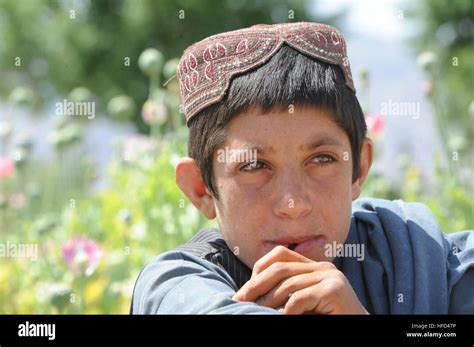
pixel 207 67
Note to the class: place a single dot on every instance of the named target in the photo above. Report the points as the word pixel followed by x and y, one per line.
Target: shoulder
pixel 403 209
pixel 401 229
pixel 412 228
pixel 199 266
pixel 209 245
pixel 202 244
pixel 191 257
pixel 405 241
pixel 390 215
pixel 172 275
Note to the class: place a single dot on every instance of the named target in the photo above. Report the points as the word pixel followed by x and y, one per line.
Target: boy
pixel 278 152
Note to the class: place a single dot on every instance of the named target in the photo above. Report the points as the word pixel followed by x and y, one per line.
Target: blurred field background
pixel 97 196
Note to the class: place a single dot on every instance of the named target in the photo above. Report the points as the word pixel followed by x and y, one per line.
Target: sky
pixel 376 34
pixel 383 19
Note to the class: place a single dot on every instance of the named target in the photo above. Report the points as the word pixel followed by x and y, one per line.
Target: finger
pixel 278 254
pixel 310 299
pixel 270 277
pixel 280 294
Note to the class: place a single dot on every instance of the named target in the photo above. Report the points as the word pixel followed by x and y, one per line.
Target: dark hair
pixel 289 77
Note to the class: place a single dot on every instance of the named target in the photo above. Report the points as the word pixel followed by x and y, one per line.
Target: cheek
pixel 332 203
pixel 240 199
pixel 334 187
pixel 339 221
pixel 238 210
pixel 241 220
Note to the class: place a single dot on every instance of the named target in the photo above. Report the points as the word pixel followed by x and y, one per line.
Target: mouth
pixel 302 244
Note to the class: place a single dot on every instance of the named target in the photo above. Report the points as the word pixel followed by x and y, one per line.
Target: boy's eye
pixel 323 159
pixel 252 166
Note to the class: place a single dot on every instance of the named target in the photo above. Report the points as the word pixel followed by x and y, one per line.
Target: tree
pixel 446 44
pixel 96 44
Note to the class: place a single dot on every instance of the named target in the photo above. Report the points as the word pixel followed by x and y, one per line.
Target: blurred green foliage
pixel 451 203
pixel 96 44
pixel 141 212
pixel 446 47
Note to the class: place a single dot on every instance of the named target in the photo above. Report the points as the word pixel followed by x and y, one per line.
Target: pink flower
pixel 375 125
pixel 82 255
pixel 7 167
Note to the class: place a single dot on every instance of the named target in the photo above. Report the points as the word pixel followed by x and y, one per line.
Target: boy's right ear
pixel 189 180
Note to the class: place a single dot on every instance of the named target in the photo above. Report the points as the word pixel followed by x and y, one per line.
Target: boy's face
pixel 299 189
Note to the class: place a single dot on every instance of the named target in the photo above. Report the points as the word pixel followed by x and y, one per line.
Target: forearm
pixel 189 285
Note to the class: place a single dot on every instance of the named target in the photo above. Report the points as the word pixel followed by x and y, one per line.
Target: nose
pixel 292 200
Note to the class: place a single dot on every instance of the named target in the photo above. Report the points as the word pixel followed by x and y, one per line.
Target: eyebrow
pixel 322 141
pixel 315 143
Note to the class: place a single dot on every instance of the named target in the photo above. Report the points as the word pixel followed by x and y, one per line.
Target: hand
pixel 284 278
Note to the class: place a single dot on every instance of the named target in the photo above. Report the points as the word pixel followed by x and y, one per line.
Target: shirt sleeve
pixel 181 283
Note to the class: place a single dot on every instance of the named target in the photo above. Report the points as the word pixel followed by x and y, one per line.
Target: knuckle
pixel 296 299
pixel 251 286
pixel 275 253
pixel 278 267
pixel 257 267
pixel 287 286
pixel 326 291
pixel 327 265
pixel 279 250
pixel 339 279
pixel 334 286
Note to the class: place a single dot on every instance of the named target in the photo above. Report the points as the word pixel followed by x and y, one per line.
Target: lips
pixel 298 244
